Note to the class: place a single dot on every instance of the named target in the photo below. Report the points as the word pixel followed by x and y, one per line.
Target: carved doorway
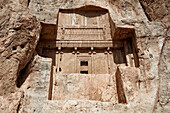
pixel 84 64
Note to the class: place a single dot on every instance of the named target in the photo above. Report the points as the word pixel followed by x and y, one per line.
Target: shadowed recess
pixel 120 89
pixel 28 3
pixel 23 75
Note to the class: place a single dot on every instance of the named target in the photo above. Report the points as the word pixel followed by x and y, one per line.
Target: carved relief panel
pixel 83 25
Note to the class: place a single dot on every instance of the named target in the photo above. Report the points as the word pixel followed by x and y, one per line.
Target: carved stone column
pixel 59 59
pixel 92 60
pixel 75 52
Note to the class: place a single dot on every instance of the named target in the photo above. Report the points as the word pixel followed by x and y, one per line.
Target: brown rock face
pixel 91 56
pixel 156 10
pixel 19 35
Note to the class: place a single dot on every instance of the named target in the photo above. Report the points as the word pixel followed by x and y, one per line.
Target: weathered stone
pixel 156 10
pixel 19 35
pixel 93 56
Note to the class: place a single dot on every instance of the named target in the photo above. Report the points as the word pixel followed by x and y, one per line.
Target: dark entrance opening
pixel 84 63
pixel 84 72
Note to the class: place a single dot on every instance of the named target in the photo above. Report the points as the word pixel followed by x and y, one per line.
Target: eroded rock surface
pixel 47 80
pixel 156 10
pixel 164 88
pixel 19 35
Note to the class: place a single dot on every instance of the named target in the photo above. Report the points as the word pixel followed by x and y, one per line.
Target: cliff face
pixel 156 10
pixel 159 11
pixel 28 82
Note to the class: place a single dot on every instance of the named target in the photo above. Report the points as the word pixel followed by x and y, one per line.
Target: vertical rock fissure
pixel 159 74
pixel 22 76
pixel 143 7
pixel 19 106
pixel 119 86
pixel 28 3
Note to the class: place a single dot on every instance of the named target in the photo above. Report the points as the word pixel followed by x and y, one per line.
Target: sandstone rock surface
pixel 156 10
pixel 19 35
pixel 31 78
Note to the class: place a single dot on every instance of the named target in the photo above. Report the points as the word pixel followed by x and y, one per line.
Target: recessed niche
pixel 83 31
pixel 14 48
pixel 84 63
pixel 84 72
pixel 59 69
pixel 22 46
